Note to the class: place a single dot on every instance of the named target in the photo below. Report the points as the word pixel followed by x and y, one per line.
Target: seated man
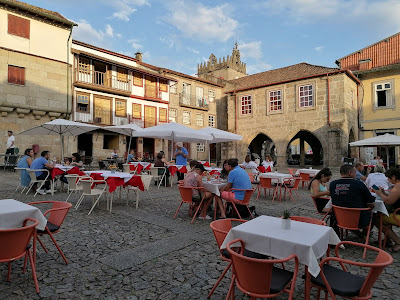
pixel 348 192
pixel 131 156
pixel 42 163
pixel 237 179
pixel 114 154
pixel 359 169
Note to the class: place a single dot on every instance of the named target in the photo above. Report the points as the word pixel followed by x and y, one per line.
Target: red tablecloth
pixel 262 169
pixel 138 168
pixel 56 171
pixel 215 172
pixel 205 163
pixel 174 169
pixel 114 182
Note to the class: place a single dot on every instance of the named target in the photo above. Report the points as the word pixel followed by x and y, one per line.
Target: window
pixel 383 94
pixel 306 96
pixel 136 111
pixel 163 85
pixel 211 95
pixel 172 87
pixel 120 108
pixel 186 117
pixel 186 93
pixel 275 100
pixel 84 65
pixel 245 104
pixel 173 114
pixel 122 75
pixel 16 75
pixel 82 103
pixel 199 96
pixel 150 116
pixel 18 26
pixel 199 120
pixel 111 141
pixel 200 147
pixel 211 121
pixel 162 114
pixel 137 79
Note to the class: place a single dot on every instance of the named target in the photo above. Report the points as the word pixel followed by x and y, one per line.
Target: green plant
pixel 286 214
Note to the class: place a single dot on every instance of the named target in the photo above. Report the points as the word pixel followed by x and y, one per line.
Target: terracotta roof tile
pixel 285 74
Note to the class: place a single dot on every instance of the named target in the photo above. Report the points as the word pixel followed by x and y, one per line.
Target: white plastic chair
pixel 159 178
pixel 88 191
pixel 73 184
pixel 32 174
pixel 19 170
pixel 146 180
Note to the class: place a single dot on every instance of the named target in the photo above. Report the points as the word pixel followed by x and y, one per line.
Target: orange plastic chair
pixel 266 184
pixel 56 216
pixel 258 278
pixel 305 178
pixel 15 244
pixel 308 220
pixel 396 213
pixel 341 282
pixel 348 218
pixel 245 201
pixel 293 172
pixel 290 185
pixel 186 195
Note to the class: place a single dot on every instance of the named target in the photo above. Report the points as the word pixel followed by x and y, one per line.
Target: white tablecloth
pixel 209 169
pixel 214 187
pixel 280 177
pixel 264 235
pixel 63 168
pixel 13 213
pixel 379 206
pixel 106 174
pixel 308 171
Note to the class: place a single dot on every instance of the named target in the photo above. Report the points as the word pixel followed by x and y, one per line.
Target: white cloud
pixel 194 51
pixel 167 41
pixel 258 67
pixel 124 8
pixel 251 50
pixel 135 44
pixel 85 32
pixel 319 48
pixel 198 21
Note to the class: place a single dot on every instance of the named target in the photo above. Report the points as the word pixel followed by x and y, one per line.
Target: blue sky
pixel 179 34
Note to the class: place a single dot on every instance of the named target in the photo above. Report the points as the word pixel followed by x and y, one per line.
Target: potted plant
pixel 113 168
pixel 285 219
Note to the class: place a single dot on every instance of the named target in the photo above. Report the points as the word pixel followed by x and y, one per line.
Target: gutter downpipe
pixel 329 102
pixel 68 53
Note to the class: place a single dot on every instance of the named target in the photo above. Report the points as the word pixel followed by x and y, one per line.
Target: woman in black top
pixel 160 162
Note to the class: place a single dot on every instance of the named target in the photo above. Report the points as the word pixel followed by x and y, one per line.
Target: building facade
pixel 35 77
pixel 378 68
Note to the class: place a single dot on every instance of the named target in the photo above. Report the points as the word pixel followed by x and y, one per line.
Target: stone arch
pixel 262 145
pixel 351 151
pixel 311 139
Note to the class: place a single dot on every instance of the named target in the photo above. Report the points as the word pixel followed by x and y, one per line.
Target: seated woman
pixel 377 178
pixel 160 162
pixel 194 179
pixel 224 173
pixel 268 162
pixel 25 162
pixel 76 160
pixel 392 200
pixel 319 189
pixel 192 164
pixel 249 164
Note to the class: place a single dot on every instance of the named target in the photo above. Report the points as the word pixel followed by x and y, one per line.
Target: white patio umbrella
pixel 127 129
pixel 219 136
pixel 61 127
pixel 386 140
pixel 174 132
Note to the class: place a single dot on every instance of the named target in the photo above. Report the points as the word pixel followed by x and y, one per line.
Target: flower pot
pixel 285 224
pixel 113 171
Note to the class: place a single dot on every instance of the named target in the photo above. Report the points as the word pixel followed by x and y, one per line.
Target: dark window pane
pixel 381 95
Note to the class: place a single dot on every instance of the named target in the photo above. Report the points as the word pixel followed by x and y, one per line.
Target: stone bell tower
pixel 228 68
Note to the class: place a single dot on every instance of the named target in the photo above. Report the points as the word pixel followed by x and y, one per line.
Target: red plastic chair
pixel 348 218
pixel 245 201
pixel 258 278
pixel 396 213
pixel 308 220
pixel 15 244
pixel 186 195
pixel 266 184
pixel 56 216
pixel 293 172
pixel 290 185
pixel 305 178
pixel 341 282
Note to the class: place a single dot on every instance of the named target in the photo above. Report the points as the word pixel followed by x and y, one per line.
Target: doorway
pixel 85 143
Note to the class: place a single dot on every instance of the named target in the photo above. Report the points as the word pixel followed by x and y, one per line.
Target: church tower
pixel 228 68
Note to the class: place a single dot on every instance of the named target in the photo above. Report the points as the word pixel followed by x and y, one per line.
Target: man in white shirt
pixel 377 178
pixel 114 154
pixel 10 143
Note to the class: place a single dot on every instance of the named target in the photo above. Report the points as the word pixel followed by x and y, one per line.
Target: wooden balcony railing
pixel 193 101
pixel 152 93
pixel 104 80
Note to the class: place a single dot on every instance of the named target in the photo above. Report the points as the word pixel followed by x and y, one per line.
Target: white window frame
pixel 246 109
pixel 173 87
pixel 211 95
pixel 172 114
pixel 272 103
pixel 200 120
pixel 388 92
pixel 212 121
pixel 200 147
pixel 307 95
pixel 186 117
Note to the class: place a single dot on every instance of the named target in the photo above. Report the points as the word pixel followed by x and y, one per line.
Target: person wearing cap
pixel 194 179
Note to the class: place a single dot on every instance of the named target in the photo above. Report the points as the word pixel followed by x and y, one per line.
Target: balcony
pixel 102 81
pixel 192 101
pixel 152 94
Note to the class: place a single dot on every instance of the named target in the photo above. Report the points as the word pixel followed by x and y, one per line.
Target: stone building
pixel 35 77
pixel 377 66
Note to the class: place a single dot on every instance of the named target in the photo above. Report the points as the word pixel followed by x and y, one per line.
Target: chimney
pixel 138 56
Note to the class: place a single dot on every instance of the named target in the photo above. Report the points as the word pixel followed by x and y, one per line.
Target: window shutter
pixel 389 97
pixel 16 75
pixel 163 114
pixel 137 78
pixel 136 111
pixel 18 26
pixel 163 85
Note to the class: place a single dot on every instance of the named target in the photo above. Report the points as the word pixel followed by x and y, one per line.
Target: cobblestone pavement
pixel 144 253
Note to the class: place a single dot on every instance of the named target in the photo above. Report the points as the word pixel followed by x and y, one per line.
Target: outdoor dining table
pixel 213 171
pixel 312 172
pixel 60 169
pixel 139 166
pixel 214 186
pixel 277 177
pixel 265 235
pixel 13 213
